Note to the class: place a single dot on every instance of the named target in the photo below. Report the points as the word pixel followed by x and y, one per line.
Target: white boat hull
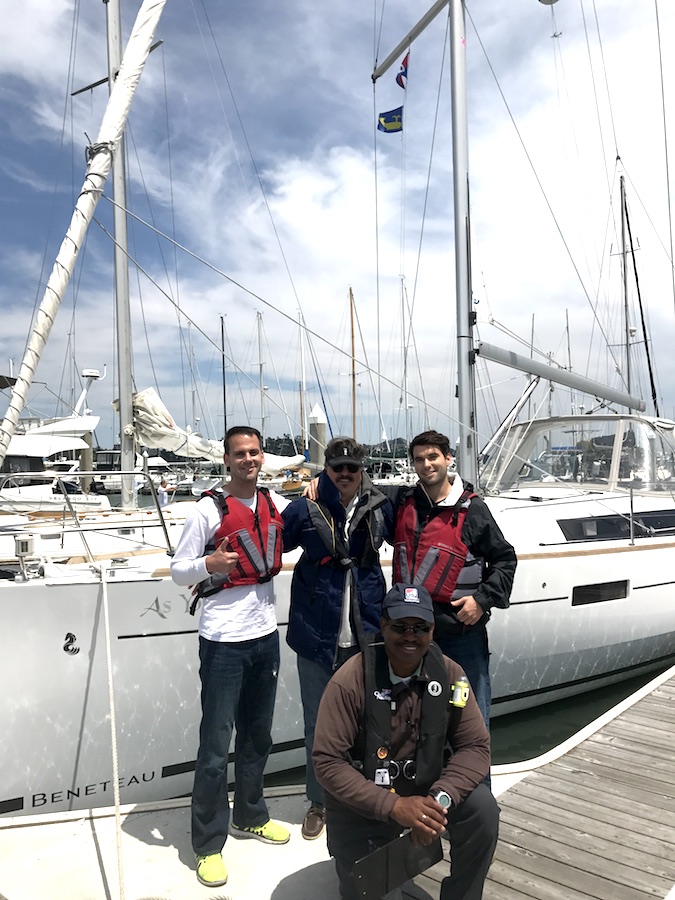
pixel 56 699
pixel 56 705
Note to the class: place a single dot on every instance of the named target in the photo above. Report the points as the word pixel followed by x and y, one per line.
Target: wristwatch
pixel 442 797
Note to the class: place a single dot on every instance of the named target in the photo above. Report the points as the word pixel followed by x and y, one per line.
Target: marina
pixel 582 821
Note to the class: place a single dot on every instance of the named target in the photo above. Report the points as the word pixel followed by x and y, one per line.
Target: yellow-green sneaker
pixel 269 833
pixel 211 870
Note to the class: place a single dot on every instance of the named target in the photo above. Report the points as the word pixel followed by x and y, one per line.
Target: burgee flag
pixel 391 121
pixel 402 77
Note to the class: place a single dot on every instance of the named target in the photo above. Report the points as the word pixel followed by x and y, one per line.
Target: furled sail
pixel 155 427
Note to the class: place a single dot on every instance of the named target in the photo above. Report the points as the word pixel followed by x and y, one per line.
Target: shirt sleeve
pixel 484 538
pixel 188 565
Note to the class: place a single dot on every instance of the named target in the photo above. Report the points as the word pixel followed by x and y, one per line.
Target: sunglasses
pixel 350 467
pixel 400 628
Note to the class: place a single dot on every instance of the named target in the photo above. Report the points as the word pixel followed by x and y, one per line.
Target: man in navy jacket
pixel 338 585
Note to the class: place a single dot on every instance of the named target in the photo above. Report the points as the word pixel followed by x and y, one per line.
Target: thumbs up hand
pixel 223 559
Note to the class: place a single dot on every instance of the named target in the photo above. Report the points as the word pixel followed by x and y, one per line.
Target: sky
pixel 251 142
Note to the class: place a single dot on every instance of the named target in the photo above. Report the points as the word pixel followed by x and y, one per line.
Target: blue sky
pixel 302 127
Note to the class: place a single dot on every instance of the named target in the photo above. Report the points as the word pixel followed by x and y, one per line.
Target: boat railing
pixel 73 510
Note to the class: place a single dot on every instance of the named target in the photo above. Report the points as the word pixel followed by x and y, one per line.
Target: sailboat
pixel 588 501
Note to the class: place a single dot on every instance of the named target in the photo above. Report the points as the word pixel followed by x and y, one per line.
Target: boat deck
pixel 593 821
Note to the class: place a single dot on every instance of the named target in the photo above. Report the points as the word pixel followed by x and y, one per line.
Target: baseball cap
pixel 408 600
pixel 344 450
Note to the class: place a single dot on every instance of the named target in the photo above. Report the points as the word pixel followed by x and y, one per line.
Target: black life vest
pixel 373 750
pixel 337 548
pixel 255 536
pixel 432 552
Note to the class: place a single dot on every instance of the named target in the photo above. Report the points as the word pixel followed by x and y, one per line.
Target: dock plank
pixel 622 831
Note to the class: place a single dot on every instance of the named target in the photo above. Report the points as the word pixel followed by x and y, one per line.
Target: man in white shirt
pixel 231 548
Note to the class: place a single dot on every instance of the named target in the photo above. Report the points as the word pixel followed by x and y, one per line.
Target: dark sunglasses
pixel 350 467
pixel 400 628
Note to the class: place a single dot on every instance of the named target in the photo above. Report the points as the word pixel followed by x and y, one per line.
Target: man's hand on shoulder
pixel 468 610
pixel 423 815
pixel 311 491
pixel 223 560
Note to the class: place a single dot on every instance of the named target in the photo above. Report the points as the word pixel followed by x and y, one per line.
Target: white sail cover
pixel 155 427
pixel 41 445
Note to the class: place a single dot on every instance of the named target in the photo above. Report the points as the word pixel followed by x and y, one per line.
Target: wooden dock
pixel 599 822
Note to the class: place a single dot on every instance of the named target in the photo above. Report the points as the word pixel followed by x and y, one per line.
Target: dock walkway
pixel 599 822
pixel 593 820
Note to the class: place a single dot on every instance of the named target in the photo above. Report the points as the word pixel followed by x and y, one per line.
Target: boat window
pixel 616 527
pixel 598 593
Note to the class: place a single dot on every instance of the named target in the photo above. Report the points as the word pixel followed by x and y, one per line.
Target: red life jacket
pixel 255 536
pixel 432 553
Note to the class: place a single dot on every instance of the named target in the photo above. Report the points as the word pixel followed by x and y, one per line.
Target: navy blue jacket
pixel 318 582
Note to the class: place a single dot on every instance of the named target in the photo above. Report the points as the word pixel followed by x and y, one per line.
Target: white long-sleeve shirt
pixel 240 613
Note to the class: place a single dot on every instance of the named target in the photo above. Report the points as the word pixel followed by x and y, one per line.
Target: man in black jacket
pixel 447 540
pixel 340 529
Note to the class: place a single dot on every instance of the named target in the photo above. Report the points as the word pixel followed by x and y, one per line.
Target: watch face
pixel 444 799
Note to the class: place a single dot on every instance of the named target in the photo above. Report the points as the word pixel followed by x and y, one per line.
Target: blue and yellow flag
pixel 391 121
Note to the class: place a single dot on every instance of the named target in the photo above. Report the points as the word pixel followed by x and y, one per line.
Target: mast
pixel 351 314
pixel 222 347
pixel 100 162
pixel 465 315
pixel 121 262
pixel 261 378
pixel 624 271
pixel 304 428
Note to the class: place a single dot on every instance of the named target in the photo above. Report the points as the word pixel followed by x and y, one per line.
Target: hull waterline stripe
pixel 10 806
pixel 183 768
pixel 153 634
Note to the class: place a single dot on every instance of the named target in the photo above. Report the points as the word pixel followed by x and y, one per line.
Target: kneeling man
pixel 393 752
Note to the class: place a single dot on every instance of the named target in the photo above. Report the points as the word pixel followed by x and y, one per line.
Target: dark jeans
pixel 473 827
pixel 470 651
pixel 239 685
pixel 313 680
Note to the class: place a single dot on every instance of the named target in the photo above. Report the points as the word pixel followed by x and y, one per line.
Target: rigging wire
pixel 213 268
pixel 537 179
pixel 248 148
pixel 665 145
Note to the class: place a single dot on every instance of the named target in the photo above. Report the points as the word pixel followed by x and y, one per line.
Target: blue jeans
pixel 313 680
pixel 239 685
pixel 470 651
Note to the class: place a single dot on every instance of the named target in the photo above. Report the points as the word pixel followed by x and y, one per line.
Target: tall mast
pixel 304 428
pixel 351 315
pixel 261 378
pixel 222 348
pixel 624 268
pixel 460 176
pixel 122 304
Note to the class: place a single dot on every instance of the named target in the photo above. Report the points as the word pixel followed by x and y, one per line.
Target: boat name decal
pixel 87 790
pixel 163 609
pixel 69 645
